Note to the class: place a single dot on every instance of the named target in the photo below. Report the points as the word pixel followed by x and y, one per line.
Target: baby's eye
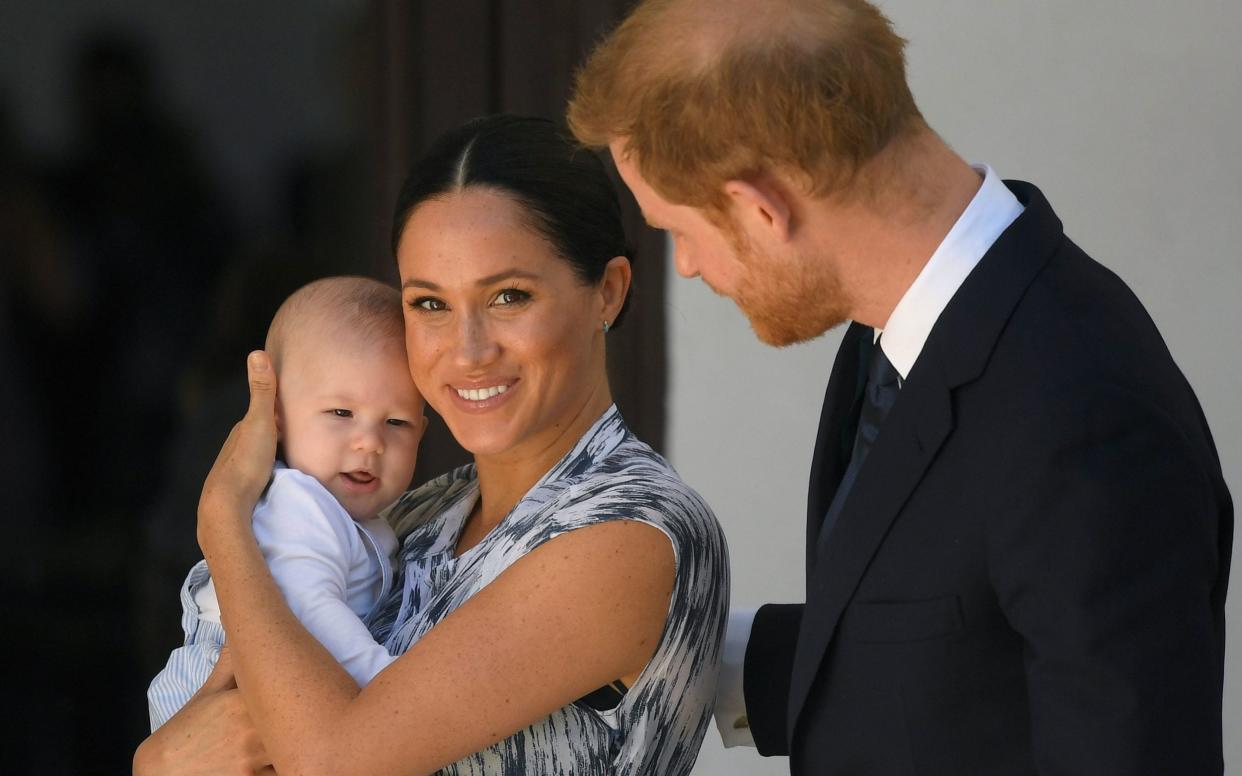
pixel 509 296
pixel 397 422
pixel 428 304
pixel 341 413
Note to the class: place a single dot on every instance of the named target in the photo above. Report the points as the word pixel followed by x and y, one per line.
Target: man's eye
pixel 340 413
pixel 429 304
pixel 508 296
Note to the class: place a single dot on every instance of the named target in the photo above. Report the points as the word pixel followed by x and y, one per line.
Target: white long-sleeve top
pixel 331 569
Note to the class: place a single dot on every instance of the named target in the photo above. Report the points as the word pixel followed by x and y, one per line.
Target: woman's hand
pixel 212 734
pixel 242 469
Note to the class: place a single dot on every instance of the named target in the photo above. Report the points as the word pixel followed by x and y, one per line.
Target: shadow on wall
pixel 129 298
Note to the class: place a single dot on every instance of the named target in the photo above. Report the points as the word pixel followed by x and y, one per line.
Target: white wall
pixel 1128 116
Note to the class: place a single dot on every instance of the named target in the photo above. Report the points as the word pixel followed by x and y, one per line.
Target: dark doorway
pixel 447 62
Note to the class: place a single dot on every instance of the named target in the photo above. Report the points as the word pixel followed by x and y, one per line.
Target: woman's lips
pixel 481 398
pixel 359 481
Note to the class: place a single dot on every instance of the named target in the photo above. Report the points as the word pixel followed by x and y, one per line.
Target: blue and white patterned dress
pixel 609 475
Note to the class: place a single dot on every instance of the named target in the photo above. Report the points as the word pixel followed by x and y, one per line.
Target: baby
pixel 349 420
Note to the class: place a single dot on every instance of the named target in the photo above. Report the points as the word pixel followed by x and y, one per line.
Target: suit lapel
pixel 831 448
pixel 956 352
pixel 912 435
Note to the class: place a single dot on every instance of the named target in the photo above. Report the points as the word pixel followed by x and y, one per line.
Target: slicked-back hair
pixel 816 88
pixel 562 188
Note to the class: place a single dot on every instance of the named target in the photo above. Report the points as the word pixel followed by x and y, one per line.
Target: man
pixel 1018 536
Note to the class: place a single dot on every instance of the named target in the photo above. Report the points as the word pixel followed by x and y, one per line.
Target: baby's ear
pixel 280 431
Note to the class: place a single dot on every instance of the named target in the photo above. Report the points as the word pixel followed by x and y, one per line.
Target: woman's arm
pixel 211 734
pixel 547 631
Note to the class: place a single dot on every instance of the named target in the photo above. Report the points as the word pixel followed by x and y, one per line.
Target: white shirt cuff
pixel 731 718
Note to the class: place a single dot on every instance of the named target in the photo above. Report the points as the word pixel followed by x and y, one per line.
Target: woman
pixel 563 598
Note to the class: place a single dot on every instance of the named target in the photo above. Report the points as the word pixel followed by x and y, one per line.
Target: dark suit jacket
pixel 1029 574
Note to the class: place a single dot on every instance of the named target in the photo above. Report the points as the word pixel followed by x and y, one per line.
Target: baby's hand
pixel 242 469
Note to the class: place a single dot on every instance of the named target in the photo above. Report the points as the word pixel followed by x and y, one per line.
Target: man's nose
pixel 682 262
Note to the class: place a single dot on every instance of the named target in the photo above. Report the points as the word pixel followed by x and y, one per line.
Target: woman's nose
pixel 475 345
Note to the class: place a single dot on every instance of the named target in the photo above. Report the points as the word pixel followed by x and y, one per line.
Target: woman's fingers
pixel 259 424
pixel 242 468
pixel 211 735
pixel 262 381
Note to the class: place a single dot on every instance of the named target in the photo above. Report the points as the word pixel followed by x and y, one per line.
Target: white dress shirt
pixel 989 213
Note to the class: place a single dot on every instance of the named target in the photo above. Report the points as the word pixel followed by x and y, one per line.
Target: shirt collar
pixel 990 212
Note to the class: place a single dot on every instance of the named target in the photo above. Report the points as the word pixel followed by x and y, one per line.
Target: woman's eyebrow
pixel 420 283
pixel 481 282
pixel 507 275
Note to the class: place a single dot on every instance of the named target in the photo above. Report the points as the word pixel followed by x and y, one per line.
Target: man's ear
pixel 763 205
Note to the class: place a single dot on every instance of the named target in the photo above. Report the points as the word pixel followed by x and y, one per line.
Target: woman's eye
pixel 429 304
pixel 340 413
pixel 509 296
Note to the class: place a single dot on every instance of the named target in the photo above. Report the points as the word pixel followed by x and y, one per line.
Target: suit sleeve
pixel 309 542
pixel 1108 564
pixel 765 679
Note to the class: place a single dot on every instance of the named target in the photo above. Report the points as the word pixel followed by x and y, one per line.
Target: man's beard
pixel 784 302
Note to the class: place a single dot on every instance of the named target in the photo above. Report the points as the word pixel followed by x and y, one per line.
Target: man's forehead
pixel 627 167
pixel 620 150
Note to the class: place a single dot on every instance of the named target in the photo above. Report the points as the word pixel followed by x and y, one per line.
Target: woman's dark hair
pixel 564 188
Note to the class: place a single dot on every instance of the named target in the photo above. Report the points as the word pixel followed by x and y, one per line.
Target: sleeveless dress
pixel 657 728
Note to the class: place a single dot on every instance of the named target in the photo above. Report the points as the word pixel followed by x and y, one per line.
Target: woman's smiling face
pixel 503 338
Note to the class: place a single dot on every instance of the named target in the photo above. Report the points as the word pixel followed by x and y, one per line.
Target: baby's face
pixel 351 417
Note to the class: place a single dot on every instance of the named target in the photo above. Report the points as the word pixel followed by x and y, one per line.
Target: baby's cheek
pixel 318 467
pixel 397 482
pixel 406 459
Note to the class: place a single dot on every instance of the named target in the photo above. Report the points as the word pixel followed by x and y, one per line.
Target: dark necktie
pixel 879 395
